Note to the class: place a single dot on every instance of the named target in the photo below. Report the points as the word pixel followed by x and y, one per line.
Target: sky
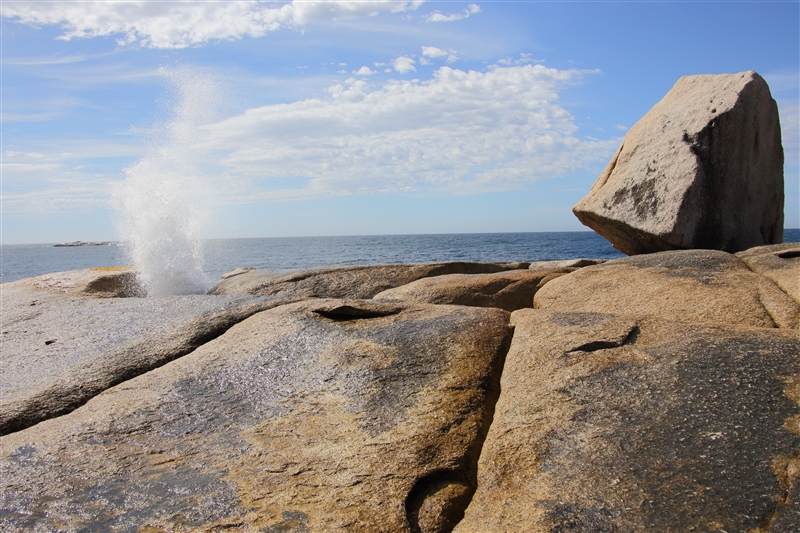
pixel 282 119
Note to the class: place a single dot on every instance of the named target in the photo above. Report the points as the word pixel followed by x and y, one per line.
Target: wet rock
pixel 702 169
pixel 506 290
pixel 332 415
pixel 778 262
pixel 607 423
pixel 696 286
pixel 346 282
pixel 60 350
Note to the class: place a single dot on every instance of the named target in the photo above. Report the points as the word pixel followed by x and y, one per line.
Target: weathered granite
pixel 778 262
pixel 702 169
pixel 696 286
pixel 103 282
pixel 607 423
pixel 506 290
pixel 324 415
pixel 60 349
pixel 345 281
pixel 565 263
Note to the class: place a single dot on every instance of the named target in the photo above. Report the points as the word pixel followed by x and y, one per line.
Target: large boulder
pixel 324 415
pixel 607 423
pixel 60 348
pixel 778 262
pixel 696 286
pixel 345 281
pixel 702 169
pixel 506 290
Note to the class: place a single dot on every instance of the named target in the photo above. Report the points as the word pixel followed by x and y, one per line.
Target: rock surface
pixel 565 263
pixel 779 262
pixel 506 290
pixel 345 282
pixel 59 350
pixel 606 423
pixel 103 282
pixel 696 286
pixel 702 169
pixel 316 416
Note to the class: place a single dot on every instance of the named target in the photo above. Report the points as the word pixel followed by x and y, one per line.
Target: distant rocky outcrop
pixel 82 243
pixel 702 169
pixel 658 393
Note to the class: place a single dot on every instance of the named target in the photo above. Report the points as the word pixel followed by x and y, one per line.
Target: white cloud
pixel 620 127
pixel 434 53
pixel 188 23
pixel 48 179
pixel 436 16
pixel 404 64
pixel 364 71
pixel 460 132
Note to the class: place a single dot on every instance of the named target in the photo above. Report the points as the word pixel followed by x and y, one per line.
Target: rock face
pixel 607 423
pixel 506 290
pixel 702 169
pixel 696 286
pixel 655 393
pixel 345 282
pixel 326 415
pixel 60 350
pixel 779 262
pixel 104 282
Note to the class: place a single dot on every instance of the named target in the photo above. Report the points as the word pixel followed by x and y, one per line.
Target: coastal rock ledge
pixel 702 169
pixel 657 393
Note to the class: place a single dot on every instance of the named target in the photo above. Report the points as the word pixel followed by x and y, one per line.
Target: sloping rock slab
pixel 346 282
pixel 59 351
pixel 103 282
pixel 506 290
pixel 697 286
pixel 565 263
pixel 328 415
pixel 778 262
pixel 609 425
pixel 702 169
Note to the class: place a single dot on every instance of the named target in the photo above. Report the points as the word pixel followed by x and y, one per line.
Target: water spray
pixel 164 201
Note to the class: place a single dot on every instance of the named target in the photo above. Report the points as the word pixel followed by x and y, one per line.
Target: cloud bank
pixel 458 133
pixel 436 16
pixel 172 25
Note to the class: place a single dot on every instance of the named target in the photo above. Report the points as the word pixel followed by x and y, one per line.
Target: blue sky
pixel 352 118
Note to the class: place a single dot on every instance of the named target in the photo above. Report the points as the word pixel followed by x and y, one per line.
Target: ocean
pixel 19 261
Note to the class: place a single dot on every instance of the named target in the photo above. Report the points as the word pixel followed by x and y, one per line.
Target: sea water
pixel 291 253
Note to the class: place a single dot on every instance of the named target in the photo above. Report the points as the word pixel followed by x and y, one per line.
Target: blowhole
pixel 351 312
pixel 789 254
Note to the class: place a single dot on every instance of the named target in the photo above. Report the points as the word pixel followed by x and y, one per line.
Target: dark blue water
pixel 223 255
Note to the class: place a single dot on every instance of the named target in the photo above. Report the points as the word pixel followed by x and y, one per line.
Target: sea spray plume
pixel 164 201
